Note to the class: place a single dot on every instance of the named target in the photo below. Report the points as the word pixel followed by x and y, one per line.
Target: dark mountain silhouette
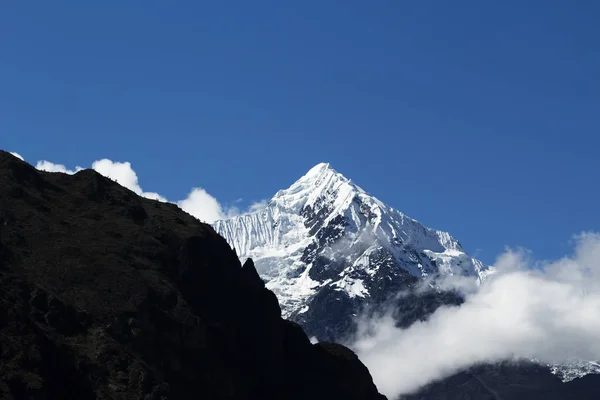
pixel 106 295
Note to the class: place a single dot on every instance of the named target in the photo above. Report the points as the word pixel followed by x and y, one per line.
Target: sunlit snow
pixel 277 236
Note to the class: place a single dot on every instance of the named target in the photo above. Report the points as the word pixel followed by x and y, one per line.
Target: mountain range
pixel 108 295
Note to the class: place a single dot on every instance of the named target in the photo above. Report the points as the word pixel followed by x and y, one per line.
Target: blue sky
pixel 479 118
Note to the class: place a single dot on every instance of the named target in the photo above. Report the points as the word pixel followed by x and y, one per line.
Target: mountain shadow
pixel 107 295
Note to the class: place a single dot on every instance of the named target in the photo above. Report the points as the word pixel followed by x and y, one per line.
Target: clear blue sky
pixel 481 118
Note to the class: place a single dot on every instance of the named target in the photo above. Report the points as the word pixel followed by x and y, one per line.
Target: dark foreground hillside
pixel 106 295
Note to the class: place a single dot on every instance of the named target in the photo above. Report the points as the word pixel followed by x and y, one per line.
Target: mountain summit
pixel 325 235
pixel 328 249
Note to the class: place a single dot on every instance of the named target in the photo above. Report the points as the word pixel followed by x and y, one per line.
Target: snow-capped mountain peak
pixel 326 248
pixel 320 182
pixel 326 232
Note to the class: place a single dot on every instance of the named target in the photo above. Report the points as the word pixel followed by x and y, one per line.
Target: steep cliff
pixel 106 295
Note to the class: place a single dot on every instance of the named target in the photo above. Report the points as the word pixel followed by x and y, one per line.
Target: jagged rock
pixel 332 252
pixel 251 277
pixel 328 249
pixel 337 363
pixel 106 295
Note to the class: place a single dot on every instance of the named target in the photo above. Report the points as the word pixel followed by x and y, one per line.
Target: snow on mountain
pixel 326 232
pixel 574 370
pixel 326 248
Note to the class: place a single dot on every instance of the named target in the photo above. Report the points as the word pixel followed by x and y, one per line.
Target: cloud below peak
pixel 545 311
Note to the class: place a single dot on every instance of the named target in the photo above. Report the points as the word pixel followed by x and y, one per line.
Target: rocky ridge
pixel 327 248
pixel 330 250
pixel 106 295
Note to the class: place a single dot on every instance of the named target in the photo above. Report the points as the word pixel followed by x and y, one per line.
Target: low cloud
pixel 123 174
pixel 17 155
pixel 51 167
pixel 549 311
pixel 198 202
pixel 204 206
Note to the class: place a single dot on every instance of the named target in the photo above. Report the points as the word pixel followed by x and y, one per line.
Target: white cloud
pixel 198 203
pixel 547 311
pixel 257 206
pixel 202 205
pixel 206 208
pixel 51 167
pixel 17 155
pixel 120 172
pixel 123 174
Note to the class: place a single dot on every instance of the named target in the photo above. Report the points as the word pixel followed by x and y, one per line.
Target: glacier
pixel 325 216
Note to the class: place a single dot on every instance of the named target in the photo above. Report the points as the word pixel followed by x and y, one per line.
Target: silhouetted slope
pixel 107 295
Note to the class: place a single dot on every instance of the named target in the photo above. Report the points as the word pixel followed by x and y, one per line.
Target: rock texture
pixel 509 381
pixel 106 295
pixel 328 249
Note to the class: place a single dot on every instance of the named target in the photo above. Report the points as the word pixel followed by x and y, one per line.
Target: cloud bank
pixel 548 311
pixel 198 202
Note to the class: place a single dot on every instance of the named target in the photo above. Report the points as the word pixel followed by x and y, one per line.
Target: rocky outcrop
pixel 508 380
pixel 106 295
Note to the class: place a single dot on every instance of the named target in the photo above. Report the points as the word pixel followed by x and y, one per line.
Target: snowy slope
pixel 327 248
pixel 325 231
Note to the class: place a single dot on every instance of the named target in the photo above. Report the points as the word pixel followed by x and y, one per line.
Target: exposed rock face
pixel 523 381
pixel 331 251
pixel 106 295
pixel 328 249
